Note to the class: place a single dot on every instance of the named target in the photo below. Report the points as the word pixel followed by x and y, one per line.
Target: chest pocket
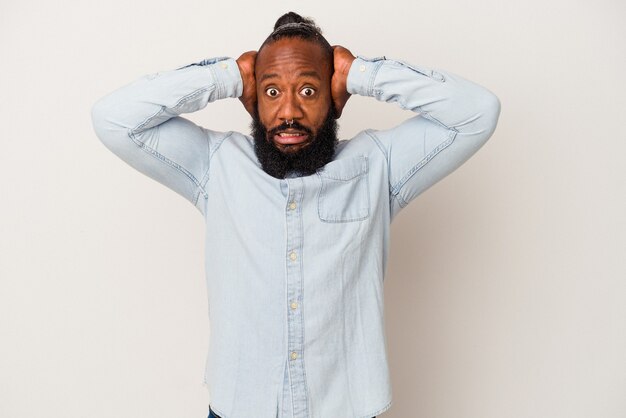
pixel 344 194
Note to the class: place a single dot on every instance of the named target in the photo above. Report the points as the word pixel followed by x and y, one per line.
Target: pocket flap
pixel 345 169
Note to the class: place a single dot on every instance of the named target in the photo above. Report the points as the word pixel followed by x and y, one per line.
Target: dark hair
pixel 292 25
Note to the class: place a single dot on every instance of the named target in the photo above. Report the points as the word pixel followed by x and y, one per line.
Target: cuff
pixel 226 74
pixel 362 75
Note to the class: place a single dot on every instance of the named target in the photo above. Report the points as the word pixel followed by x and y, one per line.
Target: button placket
pixel 295 319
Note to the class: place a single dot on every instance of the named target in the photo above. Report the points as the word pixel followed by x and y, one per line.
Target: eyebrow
pixel 313 74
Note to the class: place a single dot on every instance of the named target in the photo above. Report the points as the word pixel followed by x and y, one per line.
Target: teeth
pixel 287 134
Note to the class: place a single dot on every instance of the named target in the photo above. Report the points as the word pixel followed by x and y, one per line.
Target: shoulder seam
pixel 451 137
pixel 158 155
pixel 206 176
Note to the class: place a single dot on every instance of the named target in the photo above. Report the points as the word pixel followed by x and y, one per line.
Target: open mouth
pixel 291 137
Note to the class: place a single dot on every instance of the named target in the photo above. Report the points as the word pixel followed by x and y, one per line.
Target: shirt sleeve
pixel 455 118
pixel 140 123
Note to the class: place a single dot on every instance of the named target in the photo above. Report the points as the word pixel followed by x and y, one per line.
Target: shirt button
pixel 224 65
pixel 294 305
pixel 293 256
pixel 292 205
pixel 294 355
pixel 362 68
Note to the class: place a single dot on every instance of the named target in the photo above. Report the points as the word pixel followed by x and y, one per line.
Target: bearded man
pixel 297 222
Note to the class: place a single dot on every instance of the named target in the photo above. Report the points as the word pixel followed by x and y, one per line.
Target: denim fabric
pixel 295 266
pixel 213 415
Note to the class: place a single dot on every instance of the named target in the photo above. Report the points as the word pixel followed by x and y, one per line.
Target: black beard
pixel 305 161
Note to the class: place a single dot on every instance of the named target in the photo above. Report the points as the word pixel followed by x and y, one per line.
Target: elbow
pixel 102 116
pixel 482 123
pixel 478 110
pixel 491 107
pixel 99 118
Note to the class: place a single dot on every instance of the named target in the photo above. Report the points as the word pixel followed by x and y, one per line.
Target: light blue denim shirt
pixel 295 267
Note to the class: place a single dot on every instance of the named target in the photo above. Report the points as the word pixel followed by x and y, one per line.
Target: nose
pixel 289 108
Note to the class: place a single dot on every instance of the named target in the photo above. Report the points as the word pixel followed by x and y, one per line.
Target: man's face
pixel 293 83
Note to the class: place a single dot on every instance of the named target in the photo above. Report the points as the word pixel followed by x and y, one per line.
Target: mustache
pixel 284 126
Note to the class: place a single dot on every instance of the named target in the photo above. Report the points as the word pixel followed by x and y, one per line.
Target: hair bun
pixel 292 25
pixel 292 17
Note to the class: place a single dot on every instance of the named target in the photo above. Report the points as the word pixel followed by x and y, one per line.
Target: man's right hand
pixel 246 67
pixel 343 59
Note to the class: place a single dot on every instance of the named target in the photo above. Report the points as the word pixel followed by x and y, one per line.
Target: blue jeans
pixel 214 415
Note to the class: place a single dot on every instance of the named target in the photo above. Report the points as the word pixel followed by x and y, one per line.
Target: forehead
pixel 292 56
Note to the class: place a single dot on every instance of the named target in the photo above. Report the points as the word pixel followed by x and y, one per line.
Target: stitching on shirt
pixel 370 82
pixel 378 412
pixel 218 144
pixel 166 160
pixel 400 200
pixel 203 182
pixel 378 144
pixel 306 386
pixel 220 88
pixel 396 189
pixel 353 180
pixel 202 187
pixel 431 118
pixel 206 176
pixel 286 367
pixel 132 133
pixel 382 149
pixel 163 108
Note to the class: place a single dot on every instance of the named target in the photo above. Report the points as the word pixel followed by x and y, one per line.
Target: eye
pixel 272 92
pixel 307 91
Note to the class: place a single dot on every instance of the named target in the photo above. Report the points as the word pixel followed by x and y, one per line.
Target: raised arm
pixel 456 117
pixel 140 123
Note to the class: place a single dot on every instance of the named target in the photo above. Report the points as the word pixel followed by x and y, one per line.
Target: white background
pixel 506 288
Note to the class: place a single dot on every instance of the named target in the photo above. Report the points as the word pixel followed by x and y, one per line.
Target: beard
pixel 306 161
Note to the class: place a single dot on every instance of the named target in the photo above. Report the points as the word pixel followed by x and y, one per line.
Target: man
pixel 297 223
